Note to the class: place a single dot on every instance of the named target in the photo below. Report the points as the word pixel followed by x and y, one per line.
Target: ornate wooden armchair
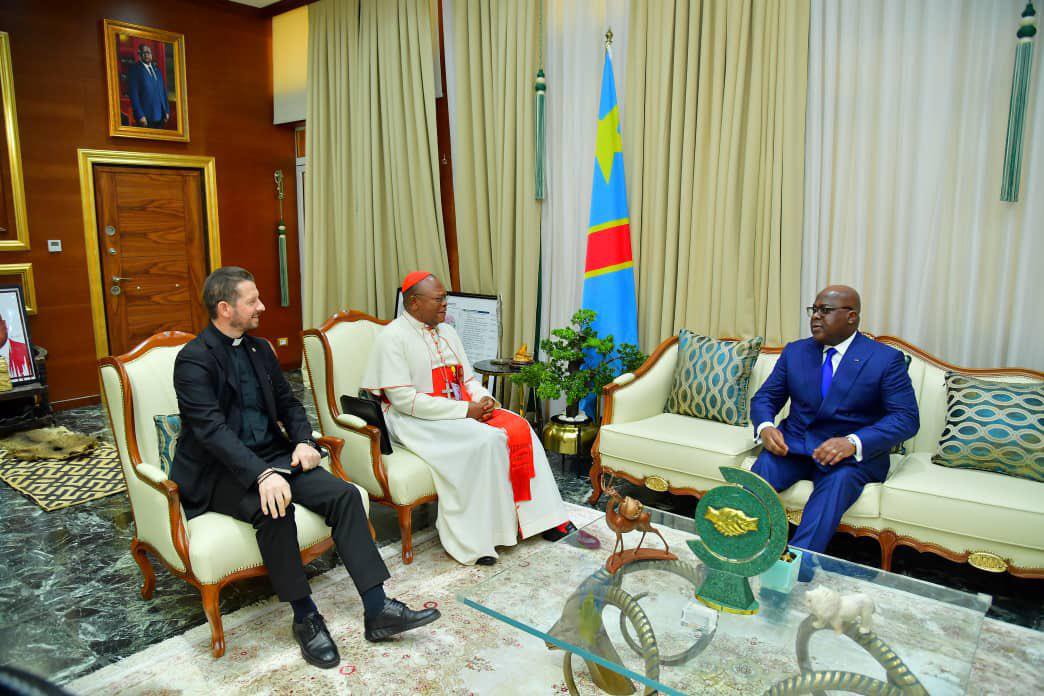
pixel 208 551
pixel 335 357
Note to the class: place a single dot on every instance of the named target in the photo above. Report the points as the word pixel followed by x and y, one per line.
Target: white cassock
pixel 469 460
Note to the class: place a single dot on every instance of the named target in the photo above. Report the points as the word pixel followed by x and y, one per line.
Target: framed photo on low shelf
pixel 14 230
pixel 15 345
pixel 148 96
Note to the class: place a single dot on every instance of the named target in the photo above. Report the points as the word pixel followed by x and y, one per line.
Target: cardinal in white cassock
pixel 491 473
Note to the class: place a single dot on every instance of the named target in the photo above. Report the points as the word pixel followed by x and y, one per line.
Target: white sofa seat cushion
pixel 976 504
pixel 409 477
pixel 868 504
pixel 678 443
pixel 220 545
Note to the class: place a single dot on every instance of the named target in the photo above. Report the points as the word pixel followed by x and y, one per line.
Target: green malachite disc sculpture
pixel 743 531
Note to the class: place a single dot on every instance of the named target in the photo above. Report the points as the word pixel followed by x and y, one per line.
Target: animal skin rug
pixel 47 443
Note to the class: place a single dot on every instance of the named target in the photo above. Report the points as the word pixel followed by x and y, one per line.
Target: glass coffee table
pixel 644 625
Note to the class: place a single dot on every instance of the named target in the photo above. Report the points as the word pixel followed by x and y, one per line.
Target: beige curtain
pixel 373 211
pixel 498 220
pixel 714 147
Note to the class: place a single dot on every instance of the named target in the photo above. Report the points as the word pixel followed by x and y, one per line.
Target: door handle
pixel 117 279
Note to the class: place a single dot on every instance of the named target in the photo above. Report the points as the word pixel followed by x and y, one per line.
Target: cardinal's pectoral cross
pixel 452 389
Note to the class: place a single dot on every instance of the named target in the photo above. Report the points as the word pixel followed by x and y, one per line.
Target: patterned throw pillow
pixel 167 430
pixel 711 378
pixel 993 426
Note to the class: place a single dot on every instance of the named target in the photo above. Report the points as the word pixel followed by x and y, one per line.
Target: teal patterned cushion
pixel 993 426
pixel 711 378
pixel 167 430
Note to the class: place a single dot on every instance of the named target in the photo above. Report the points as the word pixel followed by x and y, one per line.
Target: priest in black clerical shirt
pixel 232 458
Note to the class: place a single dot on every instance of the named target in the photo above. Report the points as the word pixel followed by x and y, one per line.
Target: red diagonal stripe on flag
pixel 608 247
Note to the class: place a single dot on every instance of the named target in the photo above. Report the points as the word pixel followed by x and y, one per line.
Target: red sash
pixel 520 442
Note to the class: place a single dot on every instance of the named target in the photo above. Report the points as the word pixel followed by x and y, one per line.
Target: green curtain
pixel 498 217
pixel 373 210
pixel 714 133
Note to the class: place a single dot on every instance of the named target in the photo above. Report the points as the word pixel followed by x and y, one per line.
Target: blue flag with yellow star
pixel 609 269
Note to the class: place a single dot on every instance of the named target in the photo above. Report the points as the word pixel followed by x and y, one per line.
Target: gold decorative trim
pixel 112 75
pixel 990 562
pixel 14 153
pixel 24 271
pixel 656 483
pixel 794 517
pixel 87 160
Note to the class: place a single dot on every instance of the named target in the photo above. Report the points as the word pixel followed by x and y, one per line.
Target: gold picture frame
pixel 148 93
pixel 24 273
pixel 16 217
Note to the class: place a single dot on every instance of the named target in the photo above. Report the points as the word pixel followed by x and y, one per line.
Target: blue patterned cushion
pixel 993 426
pixel 167 430
pixel 711 378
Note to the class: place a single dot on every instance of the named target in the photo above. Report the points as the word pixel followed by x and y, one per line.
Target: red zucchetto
pixel 413 278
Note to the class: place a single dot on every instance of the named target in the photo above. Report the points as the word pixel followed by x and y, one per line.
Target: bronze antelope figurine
pixel 625 514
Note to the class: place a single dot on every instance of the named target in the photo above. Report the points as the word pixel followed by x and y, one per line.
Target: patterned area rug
pixel 463 653
pixel 55 484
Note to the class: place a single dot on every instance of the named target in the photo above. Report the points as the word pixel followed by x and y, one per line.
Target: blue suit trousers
pixel 833 492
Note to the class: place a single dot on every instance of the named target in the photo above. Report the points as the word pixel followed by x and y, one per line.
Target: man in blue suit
pixel 148 94
pixel 851 401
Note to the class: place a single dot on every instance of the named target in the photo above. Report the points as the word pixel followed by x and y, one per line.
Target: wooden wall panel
pixel 59 76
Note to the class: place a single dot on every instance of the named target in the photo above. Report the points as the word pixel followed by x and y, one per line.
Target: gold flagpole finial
pixel 609 38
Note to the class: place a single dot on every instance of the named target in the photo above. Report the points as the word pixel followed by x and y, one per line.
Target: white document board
pixel 476 319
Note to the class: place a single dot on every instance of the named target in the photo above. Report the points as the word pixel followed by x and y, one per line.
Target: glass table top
pixel 645 623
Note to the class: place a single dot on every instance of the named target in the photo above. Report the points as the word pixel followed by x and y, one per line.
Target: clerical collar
pixel 228 340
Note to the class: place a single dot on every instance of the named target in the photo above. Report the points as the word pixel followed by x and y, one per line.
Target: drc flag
pixel 609 269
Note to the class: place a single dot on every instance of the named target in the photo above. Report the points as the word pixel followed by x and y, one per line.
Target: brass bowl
pixel 564 437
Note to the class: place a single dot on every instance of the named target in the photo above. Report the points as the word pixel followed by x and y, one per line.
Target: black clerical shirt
pixel 254 428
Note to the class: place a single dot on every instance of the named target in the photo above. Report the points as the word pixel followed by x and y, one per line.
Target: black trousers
pixel 337 502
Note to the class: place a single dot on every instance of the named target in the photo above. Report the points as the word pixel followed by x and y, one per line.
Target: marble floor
pixel 69 600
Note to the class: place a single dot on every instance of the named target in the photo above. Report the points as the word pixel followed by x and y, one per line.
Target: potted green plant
pixel 564 373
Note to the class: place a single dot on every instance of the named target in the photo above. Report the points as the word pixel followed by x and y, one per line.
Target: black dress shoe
pixel 317 647
pixel 486 560
pixel 396 618
pixel 559 532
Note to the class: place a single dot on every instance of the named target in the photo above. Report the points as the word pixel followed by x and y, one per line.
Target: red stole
pixel 520 442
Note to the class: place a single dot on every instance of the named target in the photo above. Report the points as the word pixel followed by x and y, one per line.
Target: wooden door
pixel 152 244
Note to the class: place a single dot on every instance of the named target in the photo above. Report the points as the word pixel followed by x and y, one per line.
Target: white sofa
pixel 992 521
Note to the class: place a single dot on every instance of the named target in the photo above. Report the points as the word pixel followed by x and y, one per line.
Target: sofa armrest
pixel 159 519
pixel 361 454
pixel 631 397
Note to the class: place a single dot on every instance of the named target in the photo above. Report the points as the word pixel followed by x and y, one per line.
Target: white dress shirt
pixel 835 360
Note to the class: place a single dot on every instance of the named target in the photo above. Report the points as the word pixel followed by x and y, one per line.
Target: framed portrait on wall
pixel 148 97
pixel 14 232
pixel 15 345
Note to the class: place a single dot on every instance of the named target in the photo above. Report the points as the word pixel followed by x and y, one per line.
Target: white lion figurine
pixel 831 609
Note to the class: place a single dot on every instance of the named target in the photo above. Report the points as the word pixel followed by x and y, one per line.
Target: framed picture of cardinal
pixel 15 347
pixel 145 67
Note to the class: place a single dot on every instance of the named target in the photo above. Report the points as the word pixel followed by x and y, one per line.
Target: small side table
pixel 27 406
pixel 502 373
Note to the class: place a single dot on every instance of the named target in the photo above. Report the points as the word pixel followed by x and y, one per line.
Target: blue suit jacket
pixel 870 396
pixel 148 95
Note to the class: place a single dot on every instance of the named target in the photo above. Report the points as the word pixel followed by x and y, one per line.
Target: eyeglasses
pixel 439 299
pixel 822 310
